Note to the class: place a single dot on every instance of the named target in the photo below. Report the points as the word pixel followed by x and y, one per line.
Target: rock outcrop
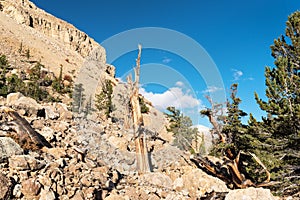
pixel 8 148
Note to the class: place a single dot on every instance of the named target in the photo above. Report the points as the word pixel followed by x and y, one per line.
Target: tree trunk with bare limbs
pixel 139 137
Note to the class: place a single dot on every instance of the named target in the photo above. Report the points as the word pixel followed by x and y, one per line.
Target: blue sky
pixel 235 34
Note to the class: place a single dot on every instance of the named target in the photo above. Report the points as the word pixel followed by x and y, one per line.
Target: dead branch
pixel 263 166
pixel 210 113
pixel 208 166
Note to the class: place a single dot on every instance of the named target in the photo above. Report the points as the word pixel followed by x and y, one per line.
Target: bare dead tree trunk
pixel 139 138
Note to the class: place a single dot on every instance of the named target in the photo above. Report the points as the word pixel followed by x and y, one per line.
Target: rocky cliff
pixel 30 34
pixel 26 13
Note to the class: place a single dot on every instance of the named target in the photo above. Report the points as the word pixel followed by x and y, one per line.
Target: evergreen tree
pixel 144 107
pixel 104 99
pixel 232 128
pixel 57 82
pixel 4 65
pixel 279 132
pixel 181 126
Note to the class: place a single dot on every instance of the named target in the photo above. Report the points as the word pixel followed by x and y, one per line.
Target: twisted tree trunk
pixel 139 137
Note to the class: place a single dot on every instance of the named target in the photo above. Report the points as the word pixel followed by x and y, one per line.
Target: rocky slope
pixel 96 160
pixel 88 158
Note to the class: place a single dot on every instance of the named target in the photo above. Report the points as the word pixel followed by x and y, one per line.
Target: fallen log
pixel 23 133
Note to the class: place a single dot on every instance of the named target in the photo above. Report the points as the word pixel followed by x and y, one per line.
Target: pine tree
pixel 279 132
pixel 232 127
pixel 181 126
pixel 104 98
pixel 4 65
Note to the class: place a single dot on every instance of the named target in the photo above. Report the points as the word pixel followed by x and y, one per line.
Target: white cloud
pixel 237 74
pixel 211 89
pixel 179 84
pixel 166 60
pixel 173 97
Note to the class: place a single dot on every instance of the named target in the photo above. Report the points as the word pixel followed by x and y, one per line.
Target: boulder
pixel 24 162
pixel 47 133
pixel 5 187
pixel 2 100
pixel 157 179
pixel 118 142
pixel 115 197
pixel 51 113
pixel 13 97
pixel 250 194
pixel 8 148
pixel 63 111
pixel 30 188
pixel 24 105
pixel 163 157
pixel 17 191
pixel 198 183
pixel 47 194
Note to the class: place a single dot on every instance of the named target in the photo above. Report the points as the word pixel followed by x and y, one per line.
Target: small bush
pixel 144 107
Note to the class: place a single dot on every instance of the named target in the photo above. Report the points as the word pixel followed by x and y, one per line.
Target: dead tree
pixel 211 115
pixel 139 136
pixel 230 169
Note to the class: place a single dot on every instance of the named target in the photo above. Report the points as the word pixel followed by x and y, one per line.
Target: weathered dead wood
pixel 233 175
pixel 24 135
pixel 211 168
pixel 210 113
pixel 139 136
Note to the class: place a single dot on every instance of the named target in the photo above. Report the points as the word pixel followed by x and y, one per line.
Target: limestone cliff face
pixel 25 12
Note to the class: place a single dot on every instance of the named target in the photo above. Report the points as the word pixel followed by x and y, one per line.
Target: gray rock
pixel 163 157
pixel 8 148
pixel 51 113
